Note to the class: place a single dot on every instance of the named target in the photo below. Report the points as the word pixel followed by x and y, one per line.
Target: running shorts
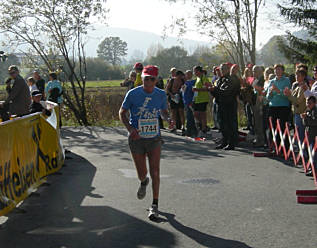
pixel 201 107
pixel 142 146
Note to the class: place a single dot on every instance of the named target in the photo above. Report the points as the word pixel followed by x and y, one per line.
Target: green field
pixel 105 83
pixel 93 84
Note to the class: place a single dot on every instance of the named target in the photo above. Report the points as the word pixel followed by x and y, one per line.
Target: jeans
pixel 257 110
pixel 249 115
pixel 300 127
pixel 215 114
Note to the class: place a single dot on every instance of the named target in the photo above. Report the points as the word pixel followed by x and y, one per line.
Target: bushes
pixel 98 69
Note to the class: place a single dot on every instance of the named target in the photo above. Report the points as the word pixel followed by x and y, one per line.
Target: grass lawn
pixel 105 83
pixel 92 84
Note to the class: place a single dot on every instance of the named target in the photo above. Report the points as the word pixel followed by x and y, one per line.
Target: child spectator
pixel 310 121
pixel 32 84
pixel 36 106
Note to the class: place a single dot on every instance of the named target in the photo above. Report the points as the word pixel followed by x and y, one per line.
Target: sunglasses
pixel 149 78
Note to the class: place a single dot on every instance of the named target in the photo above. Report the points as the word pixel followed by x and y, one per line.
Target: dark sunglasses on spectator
pixel 149 78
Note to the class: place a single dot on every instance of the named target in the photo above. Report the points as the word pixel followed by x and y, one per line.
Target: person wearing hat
pixel 36 105
pixel 138 67
pixel 18 100
pixel 146 104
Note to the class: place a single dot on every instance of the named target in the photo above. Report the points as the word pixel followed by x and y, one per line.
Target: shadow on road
pixel 100 140
pixel 201 238
pixel 61 217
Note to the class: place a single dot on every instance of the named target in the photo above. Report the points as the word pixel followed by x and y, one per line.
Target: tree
pixel 4 65
pixel 112 49
pixel 232 23
pixel 137 56
pixel 58 27
pixel 175 56
pixel 302 13
pixel 98 69
pixel 153 50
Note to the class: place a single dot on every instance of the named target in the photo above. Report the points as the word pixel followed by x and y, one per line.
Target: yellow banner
pixel 30 149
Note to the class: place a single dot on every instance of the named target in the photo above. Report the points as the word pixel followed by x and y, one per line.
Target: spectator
pixel 32 84
pixel 313 89
pixel 215 112
pixel 40 82
pixel 160 85
pixel 310 122
pixel 188 95
pixel 297 98
pixel 308 80
pixel 267 72
pixel 278 102
pixel 257 108
pixel 247 97
pixel 173 90
pixel 53 90
pixel 138 67
pixel 129 82
pixel 201 99
pixel 36 106
pixel 238 81
pixel 227 92
pixel 19 99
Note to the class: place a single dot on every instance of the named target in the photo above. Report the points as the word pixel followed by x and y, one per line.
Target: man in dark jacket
pixel 18 100
pixel 226 93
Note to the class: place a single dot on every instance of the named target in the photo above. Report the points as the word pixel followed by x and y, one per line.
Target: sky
pixel 153 15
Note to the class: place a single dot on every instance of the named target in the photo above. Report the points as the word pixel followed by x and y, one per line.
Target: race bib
pixel 148 128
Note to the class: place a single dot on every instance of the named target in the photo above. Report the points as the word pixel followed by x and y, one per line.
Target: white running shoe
pixel 142 189
pixel 153 212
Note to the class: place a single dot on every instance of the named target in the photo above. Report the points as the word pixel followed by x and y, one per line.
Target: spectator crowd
pixel 27 96
pixel 263 93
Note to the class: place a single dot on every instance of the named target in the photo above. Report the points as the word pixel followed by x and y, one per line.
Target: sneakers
pixel 142 189
pixel 153 212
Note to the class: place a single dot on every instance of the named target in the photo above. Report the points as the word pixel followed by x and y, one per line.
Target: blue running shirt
pixel 145 110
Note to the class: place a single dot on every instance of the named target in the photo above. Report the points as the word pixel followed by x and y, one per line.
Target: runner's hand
pixel 134 134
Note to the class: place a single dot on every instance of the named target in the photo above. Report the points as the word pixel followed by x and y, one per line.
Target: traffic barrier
pixel 30 150
pixel 305 155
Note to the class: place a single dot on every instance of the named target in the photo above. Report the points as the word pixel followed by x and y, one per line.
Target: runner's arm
pixel 124 119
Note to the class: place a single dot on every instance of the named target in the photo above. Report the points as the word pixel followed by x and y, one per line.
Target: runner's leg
pixel 154 164
pixel 140 165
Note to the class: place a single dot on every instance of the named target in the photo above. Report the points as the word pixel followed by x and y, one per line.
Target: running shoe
pixel 142 189
pixel 183 132
pixel 153 212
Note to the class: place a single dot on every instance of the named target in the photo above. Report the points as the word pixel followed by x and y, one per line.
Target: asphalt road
pixel 209 198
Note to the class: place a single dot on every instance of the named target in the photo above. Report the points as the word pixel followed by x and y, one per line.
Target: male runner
pixel 145 104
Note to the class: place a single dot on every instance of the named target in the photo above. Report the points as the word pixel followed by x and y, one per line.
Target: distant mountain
pixel 137 40
pixel 270 54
